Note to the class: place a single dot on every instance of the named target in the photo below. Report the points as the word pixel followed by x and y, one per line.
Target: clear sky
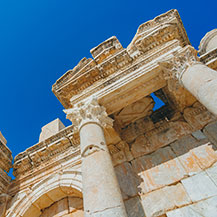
pixel 40 40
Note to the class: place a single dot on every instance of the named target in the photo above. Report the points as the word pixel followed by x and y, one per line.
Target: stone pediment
pixel 112 65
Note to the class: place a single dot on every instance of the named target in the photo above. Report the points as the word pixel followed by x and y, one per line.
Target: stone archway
pixel 53 191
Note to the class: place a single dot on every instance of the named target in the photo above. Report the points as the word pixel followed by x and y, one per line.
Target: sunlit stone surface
pixel 121 157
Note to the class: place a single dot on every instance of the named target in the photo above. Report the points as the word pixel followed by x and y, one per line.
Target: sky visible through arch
pixel 40 40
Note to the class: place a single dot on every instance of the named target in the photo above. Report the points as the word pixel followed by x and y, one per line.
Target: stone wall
pixel 66 207
pixel 173 170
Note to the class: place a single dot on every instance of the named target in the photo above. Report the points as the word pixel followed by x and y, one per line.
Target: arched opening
pixel 61 202
pixel 57 195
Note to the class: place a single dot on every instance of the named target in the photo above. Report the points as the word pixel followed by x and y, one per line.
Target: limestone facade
pixel 121 157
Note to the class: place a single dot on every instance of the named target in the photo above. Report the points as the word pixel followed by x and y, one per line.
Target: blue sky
pixel 40 40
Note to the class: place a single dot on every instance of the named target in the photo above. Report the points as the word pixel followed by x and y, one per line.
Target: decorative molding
pixel 88 111
pixel 111 59
pixel 139 70
pixel 205 41
pixel 209 57
pixel 45 151
pixel 175 66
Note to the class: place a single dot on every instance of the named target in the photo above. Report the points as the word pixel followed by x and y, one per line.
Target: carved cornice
pixel 86 112
pixel 46 151
pixel 144 73
pixel 175 66
pixel 110 58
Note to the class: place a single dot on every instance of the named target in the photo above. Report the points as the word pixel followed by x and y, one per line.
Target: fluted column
pixel 101 192
pixel 197 78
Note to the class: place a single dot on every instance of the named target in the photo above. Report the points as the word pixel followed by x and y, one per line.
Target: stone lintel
pixel 110 58
pixel 130 85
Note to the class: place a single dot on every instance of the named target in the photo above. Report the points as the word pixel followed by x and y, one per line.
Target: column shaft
pixel 201 81
pixel 101 192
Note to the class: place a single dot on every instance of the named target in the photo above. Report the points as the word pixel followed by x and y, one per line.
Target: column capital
pixel 175 66
pixel 88 112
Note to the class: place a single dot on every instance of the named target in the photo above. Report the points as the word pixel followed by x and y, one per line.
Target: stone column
pixel 101 192
pixel 197 78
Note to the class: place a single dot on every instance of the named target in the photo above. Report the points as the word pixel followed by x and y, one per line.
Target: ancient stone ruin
pixel 121 157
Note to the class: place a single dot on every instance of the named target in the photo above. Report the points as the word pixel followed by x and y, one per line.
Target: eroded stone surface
pixel 204 208
pixel 134 207
pixel 158 169
pixel 199 187
pixel 158 202
pixel 127 180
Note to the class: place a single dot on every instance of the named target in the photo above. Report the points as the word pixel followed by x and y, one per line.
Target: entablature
pixel 112 62
pixel 44 153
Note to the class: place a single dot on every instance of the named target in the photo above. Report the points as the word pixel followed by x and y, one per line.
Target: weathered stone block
pixel 120 153
pixel 134 207
pixel 141 146
pixel 43 202
pixel 212 173
pixel 184 145
pixel 211 132
pixel 167 133
pixel 199 187
pixel 204 155
pixel 75 203
pixel 194 155
pixel 197 116
pixel 33 211
pixel 156 203
pixel 130 133
pixel 60 208
pixel 158 169
pixel 127 179
pixel 206 208
pixel 51 129
pixel 198 135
